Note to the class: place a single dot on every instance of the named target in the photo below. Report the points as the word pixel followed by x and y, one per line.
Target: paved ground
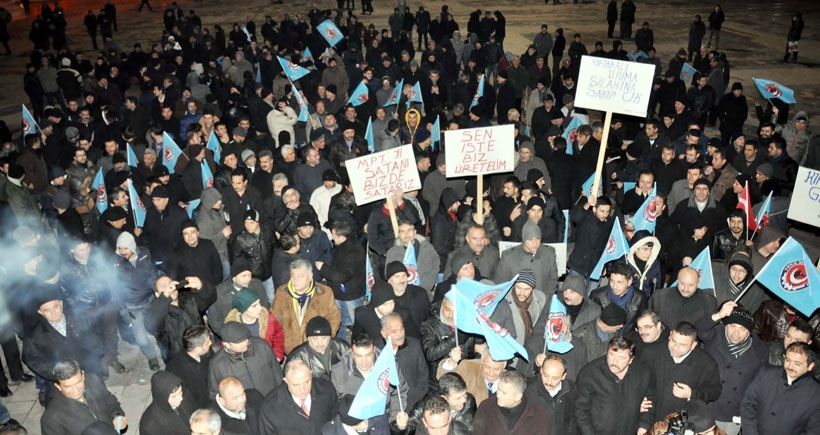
pixel 753 38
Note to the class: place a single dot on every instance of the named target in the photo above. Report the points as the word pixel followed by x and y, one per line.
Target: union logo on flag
pixel 650 213
pixel 773 89
pixel 412 273
pixel 610 245
pixel 573 134
pixel 555 326
pixel 101 193
pixel 794 276
pixel 383 382
pixel 330 33
pixel 362 97
pixel 140 204
pixel 168 155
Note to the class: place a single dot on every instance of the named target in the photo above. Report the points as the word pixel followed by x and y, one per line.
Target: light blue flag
pixel 395 96
pixel 29 124
pixel 102 195
pixel 247 34
pixel 702 264
pixel 215 147
pixel 368 136
pixel 556 330
pixel 136 205
pixel 330 32
pixel 771 89
pixel 687 72
pixel 435 135
pixel 371 399
pixel 587 186
pixel 292 70
pixel 616 248
pixel 791 275
pixel 191 206
pixel 412 266
pixel 360 95
pixel 369 277
pixel 571 132
pixel 415 95
pixel 479 92
pixel 527 131
pixel 762 218
pixel 258 74
pixel 644 218
pixel 629 185
pixel 566 225
pixel 207 175
pixel 474 304
pixel 634 57
pixel 307 56
pixel 170 152
pixel 304 116
pixel 132 156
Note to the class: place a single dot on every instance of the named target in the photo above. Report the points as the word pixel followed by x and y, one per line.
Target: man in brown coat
pixel 300 300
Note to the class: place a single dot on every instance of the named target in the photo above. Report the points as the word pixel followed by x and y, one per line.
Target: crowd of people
pixel 245 291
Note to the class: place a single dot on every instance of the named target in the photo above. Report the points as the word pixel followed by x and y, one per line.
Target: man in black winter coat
pixel 191 364
pixel 170 408
pixel 241 403
pixel 195 256
pixel 162 231
pixel 685 302
pixel 593 224
pixel 443 225
pixel 345 273
pixel 621 292
pixel 556 395
pixel 177 306
pixel 281 413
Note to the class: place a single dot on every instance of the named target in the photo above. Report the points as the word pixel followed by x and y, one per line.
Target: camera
pixel 680 425
pixel 181 285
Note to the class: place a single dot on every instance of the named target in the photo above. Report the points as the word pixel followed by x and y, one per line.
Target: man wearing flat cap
pixel 249 359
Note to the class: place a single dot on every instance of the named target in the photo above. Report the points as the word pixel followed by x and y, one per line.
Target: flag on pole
pixel 566 225
pixel 479 92
pixel 307 56
pixel 102 195
pixel 247 34
pixel 360 95
pixel 687 72
pixel 29 124
pixel 644 218
pixel 136 205
pixel 292 70
pixel 411 264
pixel 132 157
pixel 790 275
pixel 330 32
pixel 395 96
pixel 762 218
pixel 435 135
pixel 555 333
pixel 616 248
pixel 415 95
pixel 587 186
pixel 571 132
pixel 702 264
pixel 474 303
pixel 371 399
pixel 369 277
pixel 190 206
pixel 368 136
pixel 170 152
pixel 745 203
pixel 636 56
pixel 258 74
pixel 303 108
pixel 215 147
pixel 207 175
pixel 770 89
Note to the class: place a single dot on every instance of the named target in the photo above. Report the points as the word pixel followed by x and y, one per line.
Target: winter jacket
pixel 279 121
pixel 490 419
pixel 543 263
pixel 636 303
pixel 345 273
pixel 321 304
pixel 753 297
pixel 159 418
pixel 225 292
pixel 340 152
pixel 551 224
pixel 735 373
pixel 772 406
pixel 412 365
pixel 673 308
pixel 269 330
pixel 211 222
pixel 280 414
pixel 45 347
pixel 64 416
pixel 194 375
pixel 688 218
pixel 649 278
pixel 256 248
pixel 162 231
pixel 347 379
pixel 443 227
pixel 784 173
pixel 82 285
pixel 560 409
pixel 36 170
pixel 486 261
pixel 463 416
pixel 168 322
pixel 437 339
pixel 280 266
pixel 590 237
pixel 320 365
pixel 202 261
pixel 136 280
pixel 380 230
pixel 427 260
pixel 257 368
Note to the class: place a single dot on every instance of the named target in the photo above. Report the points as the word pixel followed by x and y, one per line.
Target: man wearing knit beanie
pixel 525 305
pixel 368 317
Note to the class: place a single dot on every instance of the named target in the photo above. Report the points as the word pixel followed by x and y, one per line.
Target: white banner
pixel 375 176
pixel 805 203
pixel 614 85
pixel 483 150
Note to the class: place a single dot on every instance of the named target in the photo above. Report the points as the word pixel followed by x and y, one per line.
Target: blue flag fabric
pixel 571 132
pixel 634 57
pixel 132 157
pixel 616 248
pixel 258 74
pixel 368 136
pixel 330 32
pixel 136 205
pixel 304 116
pixel 415 95
pixel 555 333
pixel 191 206
pixel 369 277
pixel 587 186
pixel 307 56
pixel 629 185
pixel 102 195
pixel 762 218
pixel 29 124
pixel 479 92
pixel 215 147
pixel 644 218
pixel 371 399
pixel 395 96
pixel 702 264
pixel 170 152
pixel 435 135
pixel 207 175
pixel 247 34
pixel 360 95
pixel 292 70
pixel 473 304
pixel 566 225
pixel 412 265
pixel 791 275
pixel 687 72
pixel 770 89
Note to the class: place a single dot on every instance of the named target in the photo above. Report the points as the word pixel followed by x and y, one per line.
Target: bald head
pixel 232 394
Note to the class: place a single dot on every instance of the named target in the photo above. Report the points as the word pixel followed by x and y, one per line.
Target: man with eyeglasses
pixel 649 329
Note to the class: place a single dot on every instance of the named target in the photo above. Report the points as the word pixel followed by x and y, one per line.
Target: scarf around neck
pixel 524 309
pixel 737 350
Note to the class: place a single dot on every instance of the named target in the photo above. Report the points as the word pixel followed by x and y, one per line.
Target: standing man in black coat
pixel 195 256
pixel 697 30
pixel 627 18
pixel 611 18
pixel 177 306
pixel 345 273
pixel 555 394
pixel 238 407
pixel 286 408
pixel 422 26
pixel 191 364
pixel 162 231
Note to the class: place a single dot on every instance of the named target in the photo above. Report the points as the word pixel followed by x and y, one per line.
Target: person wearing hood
pixel 733 277
pixel 170 409
pixel 767 243
pixel 643 259
pixel 213 225
pixel 443 225
pixel 428 262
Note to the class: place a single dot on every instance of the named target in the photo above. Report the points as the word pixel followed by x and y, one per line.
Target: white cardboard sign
pixel 376 175
pixel 805 203
pixel 482 150
pixel 614 85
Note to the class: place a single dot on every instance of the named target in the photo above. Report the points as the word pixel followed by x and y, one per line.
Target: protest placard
pixel 477 151
pixel 614 85
pixel 805 203
pixel 375 176
pixel 560 253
